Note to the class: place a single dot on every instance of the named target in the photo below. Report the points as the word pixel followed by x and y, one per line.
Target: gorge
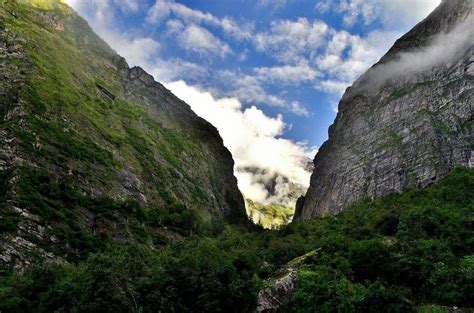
pixel 115 196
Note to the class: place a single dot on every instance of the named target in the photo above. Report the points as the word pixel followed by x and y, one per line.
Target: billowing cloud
pixel 255 142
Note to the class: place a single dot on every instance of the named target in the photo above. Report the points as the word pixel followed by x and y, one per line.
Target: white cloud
pixel 392 13
pixel 396 11
pixel 324 5
pixel 273 4
pixel 128 5
pixel 139 50
pixel 333 86
pixel 248 88
pixel 176 68
pixel 163 9
pixel 315 53
pixel 348 56
pixel 287 74
pixel 440 50
pixel 289 41
pixel 254 141
pixel 200 40
pixel 299 109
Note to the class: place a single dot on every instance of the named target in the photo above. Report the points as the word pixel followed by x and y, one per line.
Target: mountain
pixel 92 150
pixel 404 123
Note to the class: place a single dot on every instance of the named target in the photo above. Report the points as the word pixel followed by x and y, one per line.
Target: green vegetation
pixel 399 93
pixel 269 216
pixel 60 206
pixel 412 252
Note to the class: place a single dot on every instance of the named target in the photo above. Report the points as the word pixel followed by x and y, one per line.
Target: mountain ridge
pixel 91 147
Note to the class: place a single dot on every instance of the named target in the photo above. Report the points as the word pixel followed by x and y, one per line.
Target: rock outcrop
pixel 92 150
pixel 406 122
pixel 279 290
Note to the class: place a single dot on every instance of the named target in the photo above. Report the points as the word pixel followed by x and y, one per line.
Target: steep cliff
pixel 404 123
pixel 92 150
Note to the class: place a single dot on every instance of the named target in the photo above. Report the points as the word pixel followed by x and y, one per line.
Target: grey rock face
pixel 406 122
pixel 277 295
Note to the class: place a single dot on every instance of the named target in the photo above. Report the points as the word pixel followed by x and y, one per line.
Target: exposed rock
pixel 406 122
pixel 139 74
pixel 274 297
pixel 105 92
pixel 278 294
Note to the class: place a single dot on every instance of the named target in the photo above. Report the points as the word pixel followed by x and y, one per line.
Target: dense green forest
pixel 400 253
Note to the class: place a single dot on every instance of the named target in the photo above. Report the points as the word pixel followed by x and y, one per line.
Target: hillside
pixel 92 150
pixel 404 123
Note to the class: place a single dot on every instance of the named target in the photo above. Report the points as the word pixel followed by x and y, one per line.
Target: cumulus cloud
pixel 261 156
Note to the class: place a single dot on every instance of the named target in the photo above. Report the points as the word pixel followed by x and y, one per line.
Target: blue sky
pixel 267 73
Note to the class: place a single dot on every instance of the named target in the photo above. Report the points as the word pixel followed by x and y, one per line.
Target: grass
pixel 400 93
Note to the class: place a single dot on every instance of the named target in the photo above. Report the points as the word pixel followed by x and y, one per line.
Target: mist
pixel 443 48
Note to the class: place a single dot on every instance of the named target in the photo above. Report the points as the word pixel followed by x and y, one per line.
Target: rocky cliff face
pixel 92 149
pixel 406 121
